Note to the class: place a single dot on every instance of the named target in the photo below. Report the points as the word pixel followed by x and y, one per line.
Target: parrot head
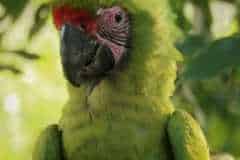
pixel 92 44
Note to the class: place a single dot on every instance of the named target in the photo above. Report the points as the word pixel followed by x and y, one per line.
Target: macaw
pixel 119 60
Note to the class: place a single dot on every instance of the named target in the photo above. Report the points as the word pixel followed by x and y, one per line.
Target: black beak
pixel 83 59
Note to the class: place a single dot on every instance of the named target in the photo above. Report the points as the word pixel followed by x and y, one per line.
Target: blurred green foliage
pixel 32 86
pixel 208 84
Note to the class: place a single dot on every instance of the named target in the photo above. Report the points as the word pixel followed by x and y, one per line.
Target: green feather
pixel 185 132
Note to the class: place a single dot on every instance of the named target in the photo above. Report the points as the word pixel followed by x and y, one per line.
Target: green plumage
pixel 126 116
pixel 49 145
pixel 189 136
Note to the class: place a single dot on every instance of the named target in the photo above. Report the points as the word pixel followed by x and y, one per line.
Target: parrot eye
pixel 118 17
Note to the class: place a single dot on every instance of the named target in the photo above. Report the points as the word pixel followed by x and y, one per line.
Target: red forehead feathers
pixel 66 14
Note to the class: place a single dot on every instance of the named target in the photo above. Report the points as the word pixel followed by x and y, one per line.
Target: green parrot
pixel 119 59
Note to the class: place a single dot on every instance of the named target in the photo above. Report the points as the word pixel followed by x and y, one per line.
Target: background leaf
pixel 192 44
pixel 14 8
pixel 220 55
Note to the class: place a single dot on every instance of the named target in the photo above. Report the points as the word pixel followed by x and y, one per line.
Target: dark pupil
pixel 118 18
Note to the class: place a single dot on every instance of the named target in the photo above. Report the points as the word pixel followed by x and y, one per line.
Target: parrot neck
pixel 135 85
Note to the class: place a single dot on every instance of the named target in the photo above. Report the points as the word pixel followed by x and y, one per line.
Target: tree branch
pixel 10 68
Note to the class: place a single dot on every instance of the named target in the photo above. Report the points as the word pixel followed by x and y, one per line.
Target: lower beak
pixel 82 57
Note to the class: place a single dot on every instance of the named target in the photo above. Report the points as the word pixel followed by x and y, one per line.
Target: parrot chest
pixel 119 134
